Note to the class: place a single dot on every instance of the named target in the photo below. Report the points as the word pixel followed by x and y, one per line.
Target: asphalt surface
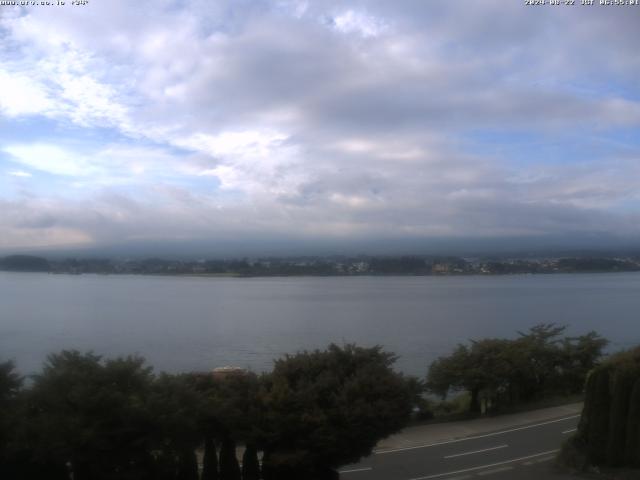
pixel 523 452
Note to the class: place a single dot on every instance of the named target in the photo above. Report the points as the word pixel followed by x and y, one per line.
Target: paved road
pixel 522 452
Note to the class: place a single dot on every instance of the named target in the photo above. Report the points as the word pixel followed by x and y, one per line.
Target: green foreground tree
pixel 501 372
pixel 90 416
pixel 85 417
pixel 10 385
pixel 323 409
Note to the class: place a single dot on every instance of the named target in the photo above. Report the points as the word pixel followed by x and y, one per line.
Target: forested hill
pixel 24 263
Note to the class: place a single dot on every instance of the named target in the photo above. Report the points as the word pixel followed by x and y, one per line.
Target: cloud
pixel 50 159
pixel 322 118
pixel 351 21
pixel 22 96
pixel 19 173
pixel 109 164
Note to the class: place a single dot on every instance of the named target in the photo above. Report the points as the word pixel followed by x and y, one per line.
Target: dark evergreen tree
pixel 10 384
pixel 622 386
pixel 229 468
pixel 175 405
pixel 250 463
pixel 188 466
pixel 165 466
pixel 210 460
pixel 632 446
pixel 609 430
pixel 598 420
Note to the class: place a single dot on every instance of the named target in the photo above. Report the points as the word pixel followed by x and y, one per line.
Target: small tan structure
pixel 227 371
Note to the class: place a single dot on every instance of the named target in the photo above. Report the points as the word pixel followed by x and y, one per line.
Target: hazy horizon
pixel 288 248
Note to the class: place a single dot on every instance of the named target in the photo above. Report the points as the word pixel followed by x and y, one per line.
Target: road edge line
pixel 475 437
pixel 438 475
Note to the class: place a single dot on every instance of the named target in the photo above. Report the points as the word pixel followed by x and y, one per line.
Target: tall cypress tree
pixel 250 464
pixel 165 466
pixel 620 396
pixel 210 461
pixel 632 446
pixel 598 420
pixel 188 468
pixel 229 468
pixel 584 425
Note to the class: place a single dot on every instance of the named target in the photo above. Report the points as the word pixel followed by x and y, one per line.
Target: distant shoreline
pixel 362 275
pixel 323 266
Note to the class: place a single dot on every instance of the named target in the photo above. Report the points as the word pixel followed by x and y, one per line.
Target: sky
pixel 182 122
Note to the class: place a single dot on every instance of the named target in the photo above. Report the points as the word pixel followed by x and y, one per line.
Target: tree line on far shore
pixel 322 266
pixel 108 419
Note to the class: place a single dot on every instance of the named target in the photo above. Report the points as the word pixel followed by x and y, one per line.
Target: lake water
pixel 188 323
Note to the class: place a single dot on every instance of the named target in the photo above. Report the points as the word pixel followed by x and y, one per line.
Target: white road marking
pixel 354 470
pixel 476 451
pixel 569 431
pixel 495 470
pixel 482 467
pixel 545 459
pixel 393 450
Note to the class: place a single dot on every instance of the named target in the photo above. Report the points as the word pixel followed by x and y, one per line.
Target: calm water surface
pixel 185 323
